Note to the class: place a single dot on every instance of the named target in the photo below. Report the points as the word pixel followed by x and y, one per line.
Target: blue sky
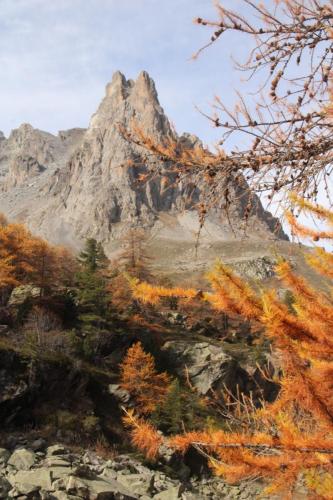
pixel 57 56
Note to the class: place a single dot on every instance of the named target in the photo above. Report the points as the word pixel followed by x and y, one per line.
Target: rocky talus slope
pixel 84 183
pixel 33 471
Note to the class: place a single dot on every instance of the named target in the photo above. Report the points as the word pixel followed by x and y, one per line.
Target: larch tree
pixel 280 118
pixel 133 257
pixel 27 259
pixel 290 142
pixel 139 377
pixel 293 436
pixel 132 261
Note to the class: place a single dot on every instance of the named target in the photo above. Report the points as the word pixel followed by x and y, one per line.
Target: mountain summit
pixel 85 182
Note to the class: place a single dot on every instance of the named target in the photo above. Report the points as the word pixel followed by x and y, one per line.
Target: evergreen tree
pixel 92 297
pixel 169 415
pixel 181 409
pixel 93 257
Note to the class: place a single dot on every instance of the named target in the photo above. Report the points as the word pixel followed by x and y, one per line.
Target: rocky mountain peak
pixel 146 85
pixel 22 133
pixel 128 100
pixel 120 86
pixel 86 183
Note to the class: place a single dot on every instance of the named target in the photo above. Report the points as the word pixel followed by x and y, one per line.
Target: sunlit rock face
pixel 86 182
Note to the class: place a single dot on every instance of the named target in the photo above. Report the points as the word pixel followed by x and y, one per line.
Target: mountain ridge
pixel 86 182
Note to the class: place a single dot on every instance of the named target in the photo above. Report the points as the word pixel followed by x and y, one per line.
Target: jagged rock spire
pixel 87 183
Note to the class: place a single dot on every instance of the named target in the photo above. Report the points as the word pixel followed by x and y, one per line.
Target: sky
pixel 57 56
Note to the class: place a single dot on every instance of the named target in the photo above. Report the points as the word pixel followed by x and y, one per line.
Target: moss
pixel 90 423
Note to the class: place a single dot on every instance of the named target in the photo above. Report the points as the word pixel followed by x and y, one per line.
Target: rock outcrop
pixel 87 182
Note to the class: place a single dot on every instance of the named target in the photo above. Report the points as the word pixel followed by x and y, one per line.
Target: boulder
pixel 207 365
pixel 140 483
pixel 119 393
pixel 259 268
pixel 99 489
pixel 77 487
pixel 172 493
pixel 56 461
pixel 62 495
pixel 56 449
pixel 38 445
pixel 21 293
pixel 22 459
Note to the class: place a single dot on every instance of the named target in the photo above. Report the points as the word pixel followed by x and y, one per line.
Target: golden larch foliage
pixel 144 436
pixel 140 378
pixel 296 434
pixel 25 258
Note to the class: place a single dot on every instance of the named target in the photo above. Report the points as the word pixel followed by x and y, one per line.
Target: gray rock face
pixel 87 182
pixel 259 268
pixel 208 366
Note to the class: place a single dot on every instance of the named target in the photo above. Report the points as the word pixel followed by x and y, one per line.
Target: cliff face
pixel 86 182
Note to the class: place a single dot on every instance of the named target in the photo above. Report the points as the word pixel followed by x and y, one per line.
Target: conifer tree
pixel 139 377
pixel 93 257
pixel 169 415
pixel 181 409
pixel 91 290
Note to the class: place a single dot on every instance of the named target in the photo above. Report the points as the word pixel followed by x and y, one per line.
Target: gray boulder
pixel 119 393
pixel 99 489
pixel 259 268
pixel 21 293
pixel 207 365
pixel 39 478
pixel 140 483
pixel 172 493
pixel 56 449
pixel 22 459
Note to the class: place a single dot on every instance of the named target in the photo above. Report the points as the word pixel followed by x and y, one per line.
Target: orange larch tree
pixel 25 258
pixel 295 436
pixel 140 378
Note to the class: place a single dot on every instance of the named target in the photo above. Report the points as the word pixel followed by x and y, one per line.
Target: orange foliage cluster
pixel 172 150
pixel 151 294
pixel 144 436
pixel 139 377
pixel 317 210
pixel 25 258
pixel 297 429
